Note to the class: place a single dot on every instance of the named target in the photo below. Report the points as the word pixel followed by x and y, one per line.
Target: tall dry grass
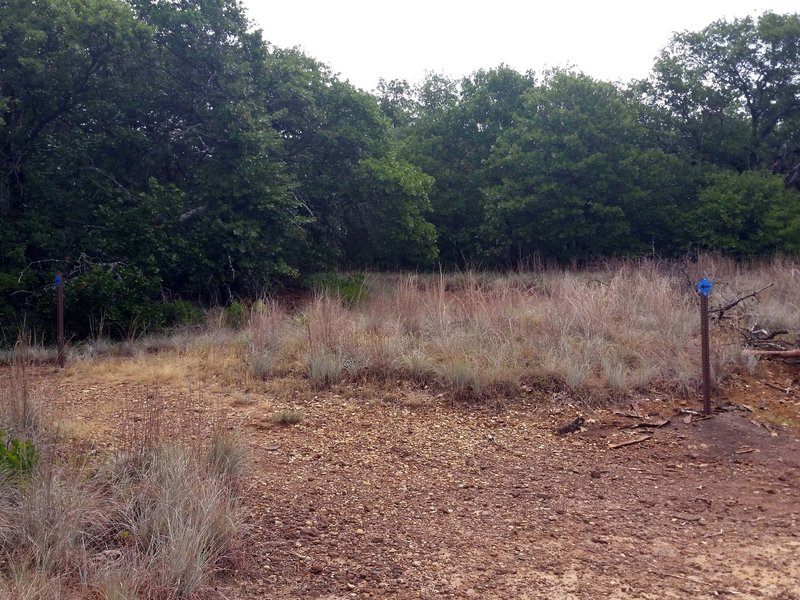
pixel 156 520
pixel 607 332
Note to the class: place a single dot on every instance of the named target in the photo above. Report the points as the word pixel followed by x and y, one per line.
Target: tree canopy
pixel 158 152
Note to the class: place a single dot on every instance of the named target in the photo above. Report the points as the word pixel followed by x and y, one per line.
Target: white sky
pixel 364 40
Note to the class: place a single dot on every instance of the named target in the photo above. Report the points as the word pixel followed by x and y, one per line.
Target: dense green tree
pixel 137 137
pixel 748 214
pixel 60 81
pixel 398 102
pixel 388 225
pixel 574 177
pixel 730 88
pixel 338 146
pixel 213 139
pixel 451 140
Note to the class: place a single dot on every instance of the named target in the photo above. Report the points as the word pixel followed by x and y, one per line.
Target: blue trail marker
pixel 704 286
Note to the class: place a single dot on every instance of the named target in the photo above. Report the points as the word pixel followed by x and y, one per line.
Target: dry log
pixel 776 353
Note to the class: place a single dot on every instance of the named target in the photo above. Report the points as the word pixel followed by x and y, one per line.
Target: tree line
pixel 161 151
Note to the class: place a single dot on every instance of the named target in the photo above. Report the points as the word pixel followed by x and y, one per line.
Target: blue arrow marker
pixel 58 280
pixel 704 287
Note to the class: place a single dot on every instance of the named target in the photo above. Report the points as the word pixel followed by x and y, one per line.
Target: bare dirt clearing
pixel 395 493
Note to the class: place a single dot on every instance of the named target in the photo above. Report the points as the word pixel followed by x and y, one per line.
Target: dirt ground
pixel 394 492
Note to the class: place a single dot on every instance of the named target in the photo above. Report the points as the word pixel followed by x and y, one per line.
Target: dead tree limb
pixel 776 353
pixel 721 310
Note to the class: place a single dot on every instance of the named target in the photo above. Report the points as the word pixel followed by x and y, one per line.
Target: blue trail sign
pixel 704 286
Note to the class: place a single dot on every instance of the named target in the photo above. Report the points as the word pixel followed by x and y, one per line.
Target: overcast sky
pixel 364 40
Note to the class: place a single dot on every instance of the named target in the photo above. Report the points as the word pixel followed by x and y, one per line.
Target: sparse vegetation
pixel 161 514
pixel 613 330
pixel 288 417
pixel 155 520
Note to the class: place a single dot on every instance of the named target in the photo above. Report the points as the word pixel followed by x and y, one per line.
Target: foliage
pixel 731 89
pixel 18 458
pixel 451 138
pixel 181 313
pixel 748 214
pixel 156 151
pixel 235 314
pixel 573 174
pixel 349 288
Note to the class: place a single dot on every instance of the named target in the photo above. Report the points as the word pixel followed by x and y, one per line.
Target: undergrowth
pixel 605 332
pixel 158 519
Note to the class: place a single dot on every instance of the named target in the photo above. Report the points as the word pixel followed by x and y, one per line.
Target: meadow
pixel 167 496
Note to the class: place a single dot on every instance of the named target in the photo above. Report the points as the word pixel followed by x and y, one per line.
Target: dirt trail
pixel 397 494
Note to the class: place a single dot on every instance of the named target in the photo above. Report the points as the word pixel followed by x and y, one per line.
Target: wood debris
pixel 651 424
pixel 630 442
pixel 786 390
pixel 571 427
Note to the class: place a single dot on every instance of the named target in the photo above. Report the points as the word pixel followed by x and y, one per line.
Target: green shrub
pixel 350 289
pixel 119 303
pixel 181 313
pixel 17 458
pixel 236 314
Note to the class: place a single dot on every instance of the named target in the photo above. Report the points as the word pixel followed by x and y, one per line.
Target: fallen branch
pixel 775 353
pixel 626 414
pixel 649 424
pixel 786 391
pixel 721 310
pixel 637 440
pixel 689 420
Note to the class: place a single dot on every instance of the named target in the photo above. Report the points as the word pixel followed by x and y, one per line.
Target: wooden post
pixel 60 320
pixel 704 287
pixel 705 354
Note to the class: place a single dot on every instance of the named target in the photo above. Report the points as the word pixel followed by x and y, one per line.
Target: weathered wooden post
pixel 704 287
pixel 60 320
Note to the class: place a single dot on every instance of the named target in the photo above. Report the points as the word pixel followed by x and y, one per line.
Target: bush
pixel 119 303
pixel 235 314
pixel 17 458
pixel 181 313
pixel 350 289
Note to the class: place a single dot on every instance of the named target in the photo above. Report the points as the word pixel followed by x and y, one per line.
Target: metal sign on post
pixel 60 319
pixel 704 288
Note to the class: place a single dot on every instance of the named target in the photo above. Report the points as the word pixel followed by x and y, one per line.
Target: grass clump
pixel 177 519
pixel 349 289
pixel 325 368
pixel 288 417
pixel 158 520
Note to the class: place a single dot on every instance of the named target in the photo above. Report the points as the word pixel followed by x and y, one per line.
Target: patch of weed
pixel 287 417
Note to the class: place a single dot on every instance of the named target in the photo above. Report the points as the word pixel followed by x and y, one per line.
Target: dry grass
pixel 215 357
pixel 607 332
pixel 156 520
